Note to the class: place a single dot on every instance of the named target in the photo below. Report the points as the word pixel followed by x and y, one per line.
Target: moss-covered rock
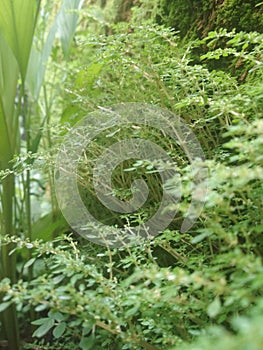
pixel 201 16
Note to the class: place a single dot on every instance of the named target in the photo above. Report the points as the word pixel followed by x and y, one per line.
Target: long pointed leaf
pixel 67 22
pixel 65 25
pixel 37 63
pixel 17 24
pixel 8 84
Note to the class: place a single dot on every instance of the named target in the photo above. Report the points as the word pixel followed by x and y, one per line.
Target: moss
pixel 240 14
pixel 201 16
pixel 191 17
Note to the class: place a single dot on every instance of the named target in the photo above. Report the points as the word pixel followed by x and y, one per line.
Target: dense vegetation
pixel 199 289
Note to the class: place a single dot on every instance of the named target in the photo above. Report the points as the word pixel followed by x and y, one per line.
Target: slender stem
pixel 27 185
pixel 8 262
pixel 49 146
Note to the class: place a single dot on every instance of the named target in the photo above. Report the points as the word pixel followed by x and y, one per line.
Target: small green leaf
pixel 133 310
pixel 214 308
pixel 59 330
pixel 41 307
pixel 57 316
pixel 40 321
pixel 87 343
pixel 5 305
pixel 44 328
pixel 58 279
pixel 29 263
pixel 200 237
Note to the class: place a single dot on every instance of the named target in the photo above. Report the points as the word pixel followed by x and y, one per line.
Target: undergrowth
pixel 193 290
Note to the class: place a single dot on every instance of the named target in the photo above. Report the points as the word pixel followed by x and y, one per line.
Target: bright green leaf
pixel 8 119
pixel 214 308
pixel 4 306
pixel 17 24
pixel 38 61
pixel 67 22
pixel 29 263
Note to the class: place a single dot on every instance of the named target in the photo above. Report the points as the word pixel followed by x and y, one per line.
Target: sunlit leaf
pixel 5 305
pixel 214 308
pixel 67 22
pixel 8 81
pixel 64 25
pixel 38 61
pixel 17 24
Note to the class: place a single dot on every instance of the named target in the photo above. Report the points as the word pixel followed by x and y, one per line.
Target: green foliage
pixel 17 24
pixel 21 73
pixel 149 64
pixel 94 295
pixel 248 336
pixel 196 290
pixel 195 17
